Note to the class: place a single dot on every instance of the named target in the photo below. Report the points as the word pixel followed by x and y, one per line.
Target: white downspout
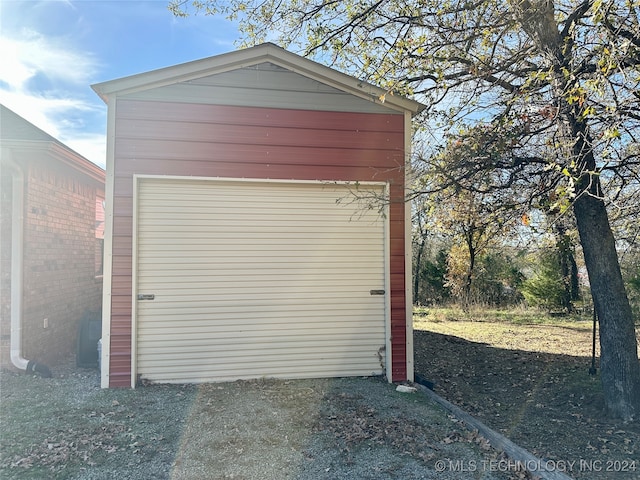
pixel 17 223
pixel 17 268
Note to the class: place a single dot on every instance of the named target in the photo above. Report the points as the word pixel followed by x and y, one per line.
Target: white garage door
pixel 249 279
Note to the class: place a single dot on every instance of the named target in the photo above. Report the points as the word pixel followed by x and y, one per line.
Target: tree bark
pixel 417 273
pixel 568 267
pixel 472 263
pixel 619 365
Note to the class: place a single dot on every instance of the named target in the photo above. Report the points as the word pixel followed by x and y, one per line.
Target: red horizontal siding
pixel 397 282
pixel 224 133
pixel 123 206
pixel 120 361
pixel 123 288
pixel 230 115
pixel 203 156
pixel 396 247
pixel 122 227
pixel 121 307
pixel 396 210
pixel 122 271
pixel 268 170
pixel 397 310
pixel 156 138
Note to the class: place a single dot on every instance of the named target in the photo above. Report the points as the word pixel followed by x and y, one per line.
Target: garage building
pixel 255 224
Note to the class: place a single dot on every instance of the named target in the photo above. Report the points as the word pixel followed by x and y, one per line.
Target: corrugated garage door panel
pixel 257 279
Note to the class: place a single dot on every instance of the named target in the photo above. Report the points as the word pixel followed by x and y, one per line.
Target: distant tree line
pixel 543 270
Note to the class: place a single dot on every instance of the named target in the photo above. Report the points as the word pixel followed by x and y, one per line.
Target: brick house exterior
pixel 51 205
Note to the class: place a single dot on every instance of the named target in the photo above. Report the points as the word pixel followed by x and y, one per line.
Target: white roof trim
pixel 266 52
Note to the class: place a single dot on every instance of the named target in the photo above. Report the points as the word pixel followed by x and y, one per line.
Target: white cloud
pixel 91 146
pixel 47 82
pixel 31 54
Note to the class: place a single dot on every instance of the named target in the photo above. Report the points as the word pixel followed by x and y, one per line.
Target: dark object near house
pixel 89 332
pixel 423 381
pixel 35 367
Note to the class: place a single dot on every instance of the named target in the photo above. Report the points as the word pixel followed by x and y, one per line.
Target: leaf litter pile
pixel 353 423
pixel 67 427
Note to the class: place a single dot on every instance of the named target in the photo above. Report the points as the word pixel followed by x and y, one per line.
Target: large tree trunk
pixel 620 369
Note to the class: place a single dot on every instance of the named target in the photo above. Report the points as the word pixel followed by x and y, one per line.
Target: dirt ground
pixel 532 384
pixel 529 382
pixel 66 427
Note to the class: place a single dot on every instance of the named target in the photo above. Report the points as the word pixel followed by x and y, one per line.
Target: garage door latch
pixel 376 292
pixel 146 296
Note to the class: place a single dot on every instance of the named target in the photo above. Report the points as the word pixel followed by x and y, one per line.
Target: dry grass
pixel 526 374
pixel 517 329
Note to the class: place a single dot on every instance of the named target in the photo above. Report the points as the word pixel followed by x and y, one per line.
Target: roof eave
pixel 61 153
pixel 246 58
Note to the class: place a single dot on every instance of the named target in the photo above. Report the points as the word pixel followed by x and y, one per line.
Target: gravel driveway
pixel 349 428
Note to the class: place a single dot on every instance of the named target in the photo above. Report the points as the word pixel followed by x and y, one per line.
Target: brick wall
pixel 60 281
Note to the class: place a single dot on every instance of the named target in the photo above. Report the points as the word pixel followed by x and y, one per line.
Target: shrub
pixel 546 288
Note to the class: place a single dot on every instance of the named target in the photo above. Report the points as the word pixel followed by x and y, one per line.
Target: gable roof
pixel 15 127
pixel 17 132
pixel 266 52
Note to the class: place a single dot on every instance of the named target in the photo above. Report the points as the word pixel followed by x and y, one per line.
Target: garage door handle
pixel 377 292
pixel 146 296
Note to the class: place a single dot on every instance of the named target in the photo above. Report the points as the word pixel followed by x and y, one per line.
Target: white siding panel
pixel 256 279
pixel 264 85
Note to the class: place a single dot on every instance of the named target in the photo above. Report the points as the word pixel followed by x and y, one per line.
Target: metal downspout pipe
pixel 17 269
